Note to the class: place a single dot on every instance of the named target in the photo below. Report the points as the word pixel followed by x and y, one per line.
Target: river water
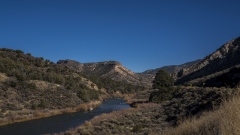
pixel 59 123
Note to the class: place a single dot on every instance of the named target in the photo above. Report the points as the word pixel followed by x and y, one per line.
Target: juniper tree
pixel 164 83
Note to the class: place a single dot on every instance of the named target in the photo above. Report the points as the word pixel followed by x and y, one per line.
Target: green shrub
pixel 137 128
pixel 19 51
pixel 34 107
pixel 42 104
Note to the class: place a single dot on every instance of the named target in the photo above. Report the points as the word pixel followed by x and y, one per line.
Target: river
pixel 59 123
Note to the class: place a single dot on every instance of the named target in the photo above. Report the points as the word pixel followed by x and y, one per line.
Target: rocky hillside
pixel 32 87
pixel 28 82
pixel 223 63
pixel 109 69
pixel 172 68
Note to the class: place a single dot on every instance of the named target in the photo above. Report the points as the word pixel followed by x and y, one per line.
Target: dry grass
pixel 41 85
pixel 224 121
pixel 88 106
pixel 81 108
pixel 3 77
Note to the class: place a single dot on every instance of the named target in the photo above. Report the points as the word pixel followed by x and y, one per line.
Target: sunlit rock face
pixel 220 61
pixel 109 69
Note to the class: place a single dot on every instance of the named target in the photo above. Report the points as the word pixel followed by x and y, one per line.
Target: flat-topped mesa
pixel 108 69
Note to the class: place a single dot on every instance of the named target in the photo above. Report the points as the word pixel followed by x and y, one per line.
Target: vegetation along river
pixel 59 123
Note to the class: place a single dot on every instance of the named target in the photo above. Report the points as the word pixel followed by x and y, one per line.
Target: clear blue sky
pixel 141 34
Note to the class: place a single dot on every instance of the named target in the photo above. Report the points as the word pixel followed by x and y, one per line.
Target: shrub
pixel 82 108
pixel 34 107
pixel 42 104
pixel 19 51
pixel 92 85
pixel 31 86
pixel 88 124
pixel 137 128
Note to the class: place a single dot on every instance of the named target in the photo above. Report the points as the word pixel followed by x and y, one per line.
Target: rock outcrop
pixel 226 57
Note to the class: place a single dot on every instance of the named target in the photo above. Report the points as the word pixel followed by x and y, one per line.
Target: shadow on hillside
pixel 230 79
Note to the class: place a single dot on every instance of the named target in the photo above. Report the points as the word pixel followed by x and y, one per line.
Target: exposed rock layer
pixel 215 64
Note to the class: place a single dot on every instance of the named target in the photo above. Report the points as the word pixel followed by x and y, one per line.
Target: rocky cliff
pixel 212 66
pixel 109 69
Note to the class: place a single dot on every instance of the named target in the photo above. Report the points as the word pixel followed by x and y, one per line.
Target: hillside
pixel 31 81
pixel 171 69
pixel 31 84
pixel 220 68
pixel 109 69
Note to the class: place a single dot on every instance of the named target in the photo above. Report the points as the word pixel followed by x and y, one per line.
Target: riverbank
pixel 26 115
pixel 60 123
pixel 126 121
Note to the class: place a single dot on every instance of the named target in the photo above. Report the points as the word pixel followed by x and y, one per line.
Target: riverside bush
pixel 82 108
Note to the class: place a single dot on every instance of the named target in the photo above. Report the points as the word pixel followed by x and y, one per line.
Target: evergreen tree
pixel 164 83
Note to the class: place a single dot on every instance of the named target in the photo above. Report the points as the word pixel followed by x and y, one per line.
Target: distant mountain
pixel 109 69
pixel 172 68
pixel 221 68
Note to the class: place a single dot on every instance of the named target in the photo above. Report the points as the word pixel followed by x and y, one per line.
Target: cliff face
pixel 226 57
pixel 109 69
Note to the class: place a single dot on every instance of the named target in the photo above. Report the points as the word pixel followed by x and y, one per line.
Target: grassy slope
pixel 224 121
